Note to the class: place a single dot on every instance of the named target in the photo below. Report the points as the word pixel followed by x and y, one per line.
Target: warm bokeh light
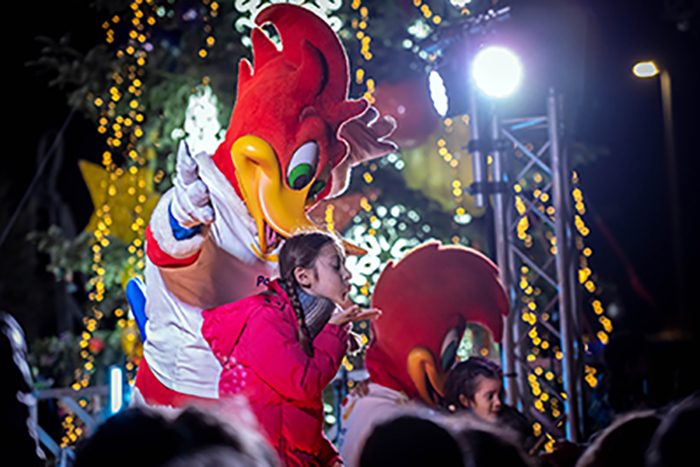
pixel 645 69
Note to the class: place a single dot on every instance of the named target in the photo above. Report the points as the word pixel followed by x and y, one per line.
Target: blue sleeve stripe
pixel 180 232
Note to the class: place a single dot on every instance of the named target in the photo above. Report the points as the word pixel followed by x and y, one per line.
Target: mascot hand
pixel 361 388
pixel 190 205
pixel 367 135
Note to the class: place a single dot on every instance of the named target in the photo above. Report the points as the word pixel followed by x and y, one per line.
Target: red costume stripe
pixel 162 259
pixel 156 394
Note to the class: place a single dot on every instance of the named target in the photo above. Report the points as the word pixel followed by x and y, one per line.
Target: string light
pixel 531 197
pixel 119 137
pixel 360 25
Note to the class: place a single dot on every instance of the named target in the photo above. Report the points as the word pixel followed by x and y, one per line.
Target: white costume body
pixel 226 270
pixel 360 414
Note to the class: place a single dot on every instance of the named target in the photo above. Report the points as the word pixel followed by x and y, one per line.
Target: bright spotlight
pixel 496 71
pixel 645 70
pixel 438 93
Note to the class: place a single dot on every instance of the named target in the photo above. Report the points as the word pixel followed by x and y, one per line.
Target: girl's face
pixel 486 403
pixel 328 278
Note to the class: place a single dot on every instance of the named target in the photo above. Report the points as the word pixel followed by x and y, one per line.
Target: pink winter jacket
pixel 255 340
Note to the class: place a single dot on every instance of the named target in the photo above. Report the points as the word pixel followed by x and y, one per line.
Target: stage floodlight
pixel 645 69
pixel 496 71
pixel 438 93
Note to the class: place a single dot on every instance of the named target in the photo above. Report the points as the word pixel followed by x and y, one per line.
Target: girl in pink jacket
pixel 281 347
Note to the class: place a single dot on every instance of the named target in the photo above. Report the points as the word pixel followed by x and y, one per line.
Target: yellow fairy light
pixel 602 337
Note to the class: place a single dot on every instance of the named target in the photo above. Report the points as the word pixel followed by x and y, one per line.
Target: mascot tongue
pixel 288 98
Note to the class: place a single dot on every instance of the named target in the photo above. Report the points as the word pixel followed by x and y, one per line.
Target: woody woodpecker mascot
pixel 292 140
pixel 427 298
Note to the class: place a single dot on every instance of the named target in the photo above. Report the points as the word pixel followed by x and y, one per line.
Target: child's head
pixel 315 262
pixel 475 384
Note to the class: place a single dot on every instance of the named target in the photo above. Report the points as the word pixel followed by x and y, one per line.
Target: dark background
pixel 608 108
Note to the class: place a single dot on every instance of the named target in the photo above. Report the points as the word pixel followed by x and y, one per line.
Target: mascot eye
pixel 302 167
pixel 317 187
pixel 448 354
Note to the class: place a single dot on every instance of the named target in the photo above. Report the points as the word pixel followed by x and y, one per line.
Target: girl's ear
pixel 302 276
pixel 466 403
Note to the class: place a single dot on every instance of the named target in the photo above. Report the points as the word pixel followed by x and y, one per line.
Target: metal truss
pixel 536 253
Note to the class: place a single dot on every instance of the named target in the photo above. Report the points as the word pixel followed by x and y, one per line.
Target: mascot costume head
pixel 427 298
pixel 283 140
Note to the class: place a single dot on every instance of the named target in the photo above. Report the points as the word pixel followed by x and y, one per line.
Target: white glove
pixel 190 205
pixel 367 135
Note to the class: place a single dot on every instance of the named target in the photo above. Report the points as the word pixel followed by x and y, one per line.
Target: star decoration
pixel 108 188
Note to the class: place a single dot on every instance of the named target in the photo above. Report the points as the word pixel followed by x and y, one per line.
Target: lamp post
pixel 648 70
pixel 496 72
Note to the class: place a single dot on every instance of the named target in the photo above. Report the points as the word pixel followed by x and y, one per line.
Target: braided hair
pixel 301 250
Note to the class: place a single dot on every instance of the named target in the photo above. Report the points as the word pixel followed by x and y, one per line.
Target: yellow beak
pixel 422 370
pixel 270 201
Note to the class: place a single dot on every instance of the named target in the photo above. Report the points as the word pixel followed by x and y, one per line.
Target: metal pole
pixel 574 287
pixel 499 222
pixel 563 236
pixel 673 187
pixel 478 162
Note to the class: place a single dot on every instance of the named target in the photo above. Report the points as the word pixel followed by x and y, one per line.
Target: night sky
pixel 609 108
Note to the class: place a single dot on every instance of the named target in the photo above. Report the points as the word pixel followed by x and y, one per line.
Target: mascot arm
pixel 275 355
pixel 169 245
